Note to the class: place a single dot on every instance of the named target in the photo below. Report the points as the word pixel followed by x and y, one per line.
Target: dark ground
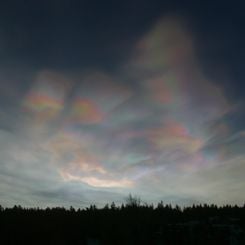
pixel 129 224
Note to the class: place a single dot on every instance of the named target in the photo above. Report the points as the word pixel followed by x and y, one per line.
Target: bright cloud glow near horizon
pixel 158 124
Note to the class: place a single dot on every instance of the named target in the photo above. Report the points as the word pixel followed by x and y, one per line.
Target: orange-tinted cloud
pixel 85 111
pixel 174 136
pixel 98 182
pixel 76 163
pixel 46 98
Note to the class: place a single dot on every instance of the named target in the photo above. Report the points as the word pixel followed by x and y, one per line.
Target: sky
pixel 100 99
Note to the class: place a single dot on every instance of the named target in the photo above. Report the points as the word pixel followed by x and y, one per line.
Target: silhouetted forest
pixel 131 223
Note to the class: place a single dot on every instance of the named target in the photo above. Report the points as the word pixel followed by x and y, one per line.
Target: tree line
pixel 131 223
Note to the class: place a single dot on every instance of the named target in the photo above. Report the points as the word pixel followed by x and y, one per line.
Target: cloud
pixel 85 111
pixel 46 98
pixel 174 136
pixel 167 45
pixel 156 126
pixel 98 182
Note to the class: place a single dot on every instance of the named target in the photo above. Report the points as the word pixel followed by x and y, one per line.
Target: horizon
pixel 131 201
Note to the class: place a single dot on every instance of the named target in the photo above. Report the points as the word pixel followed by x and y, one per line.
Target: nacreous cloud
pixel 157 127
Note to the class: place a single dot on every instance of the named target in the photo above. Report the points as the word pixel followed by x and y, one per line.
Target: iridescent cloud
pixel 99 182
pixel 174 136
pixel 85 111
pixel 46 98
pixel 151 128
pixel 167 45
